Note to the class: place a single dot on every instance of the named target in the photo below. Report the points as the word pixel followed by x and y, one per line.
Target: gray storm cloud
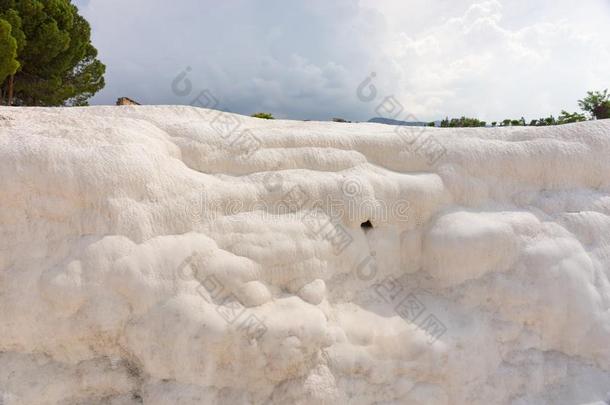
pixel 305 60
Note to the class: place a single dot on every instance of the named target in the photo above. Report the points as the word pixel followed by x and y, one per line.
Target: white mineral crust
pixel 172 255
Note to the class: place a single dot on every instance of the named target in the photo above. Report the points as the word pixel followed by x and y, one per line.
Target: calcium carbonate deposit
pixel 175 255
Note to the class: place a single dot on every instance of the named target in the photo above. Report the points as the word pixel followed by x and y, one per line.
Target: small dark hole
pixel 366 225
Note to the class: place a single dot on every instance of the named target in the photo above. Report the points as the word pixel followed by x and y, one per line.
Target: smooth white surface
pixel 505 240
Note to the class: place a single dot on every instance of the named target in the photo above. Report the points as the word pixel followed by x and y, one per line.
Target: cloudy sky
pixel 491 59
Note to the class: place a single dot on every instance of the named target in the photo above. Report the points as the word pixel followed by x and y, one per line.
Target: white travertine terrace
pixel 169 255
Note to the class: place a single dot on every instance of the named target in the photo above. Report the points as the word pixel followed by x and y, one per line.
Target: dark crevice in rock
pixel 366 225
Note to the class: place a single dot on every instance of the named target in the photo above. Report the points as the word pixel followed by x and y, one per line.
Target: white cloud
pixel 488 58
pixel 481 64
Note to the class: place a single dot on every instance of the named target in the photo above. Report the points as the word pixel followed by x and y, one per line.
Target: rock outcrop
pixel 174 255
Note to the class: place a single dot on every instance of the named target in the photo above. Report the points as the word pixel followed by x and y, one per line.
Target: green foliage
pixel 602 111
pixel 263 115
pixel 550 120
pixel 567 118
pixel 8 51
pixel 575 117
pixel 596 103
pixel 59 65
pixel 514 123
pixel 432 124
pixel 462 122
pixel 543 122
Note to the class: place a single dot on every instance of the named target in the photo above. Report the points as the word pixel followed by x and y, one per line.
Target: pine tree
pixel 8 51
pixel 59 65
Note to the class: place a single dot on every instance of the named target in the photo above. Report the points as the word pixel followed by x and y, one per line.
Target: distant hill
pixel 388 121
